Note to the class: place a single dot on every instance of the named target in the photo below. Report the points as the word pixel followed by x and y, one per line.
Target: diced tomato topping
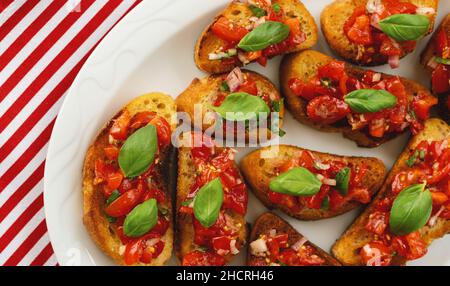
pixel 237 199
pixel 440 79
pixel 221 243
pixel 376 253
pixel 156 194
pixel 109 175
pixel 119 129
pixel 360 31
pixel 141 119
pixel 249 86
pixel 161 226
pixel 296 35
pixel 163 130
pixel 422 104
pixel 327 110
pixel 133 252
pixel 410 246
pixel 378 222
pixel 124 204
pixel 143 249
pixel 299 88
pixel 201 258
pixel 111 152
pixel 442 44
pixel 228 31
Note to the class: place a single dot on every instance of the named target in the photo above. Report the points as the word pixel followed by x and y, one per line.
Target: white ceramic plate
pixel 151 49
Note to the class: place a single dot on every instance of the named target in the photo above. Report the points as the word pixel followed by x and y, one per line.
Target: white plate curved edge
pixel 130 62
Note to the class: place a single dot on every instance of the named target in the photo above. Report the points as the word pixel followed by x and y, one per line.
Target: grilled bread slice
pixel 240 13
pixel 304 66
pixel 204 92
pixel 347 247
pixel 427 60
pixel 95 221
pixel 184 238
pixel 335 15
pixel 259 171
pixel 268 222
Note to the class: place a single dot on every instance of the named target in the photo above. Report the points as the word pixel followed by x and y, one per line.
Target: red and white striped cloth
pixel 43 44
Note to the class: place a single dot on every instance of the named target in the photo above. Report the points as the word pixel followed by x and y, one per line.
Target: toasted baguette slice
pixel 205 91
pixel 305 65
pixel 101 231
pixel 335 15
pixel 269 221
pixel 184 239
pixel 427 56
pixel 240 13
pixel 347 248
pixel 259 171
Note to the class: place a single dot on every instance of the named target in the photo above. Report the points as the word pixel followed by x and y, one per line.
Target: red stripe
pixel 17 17
pixel 59 60
pixel 43 256
pixel 27 244
pixel 30 31
pixel 4 4
pixel 22 191
pixel 42 109
pixel 21 221
pixel 38 113
pixel 26 157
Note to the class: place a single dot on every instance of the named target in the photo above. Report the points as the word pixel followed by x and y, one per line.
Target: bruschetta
pixel 126 200
pixel 211 203
pixel 412 208
pixel 274 242
pixel 310 185
pixel 238 92
pixel 367 107
pixel 376 32
pixel 436 59
pixel 254 30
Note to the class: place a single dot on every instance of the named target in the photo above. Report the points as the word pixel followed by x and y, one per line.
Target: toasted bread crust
pixel 304 65
pixel 267 221
pixel 259 171
pixel 346 249
pixel 239 12
pixel 94 219
pixel 204 91
pixel 425 58
pixel 332 22
pixel 184 238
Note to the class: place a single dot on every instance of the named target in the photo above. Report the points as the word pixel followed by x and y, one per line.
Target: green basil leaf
pixel 266 34
pixel 114 195
pixel 325 204
pixel 276 8
pixel 405 27
pixel 442 61
pixel 342 180
pixel 207 203
pixel 110 218
pixel 369 100
pixel 411 160
pixel 411 209
pixel 296 182
pixel 241 106
pixel 277 104
pixel 224 86
pixel 257 12
pixel 187 203
pixel 138 151
pixel 141 219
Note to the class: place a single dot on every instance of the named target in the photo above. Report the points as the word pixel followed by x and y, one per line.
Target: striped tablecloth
pixel 43 45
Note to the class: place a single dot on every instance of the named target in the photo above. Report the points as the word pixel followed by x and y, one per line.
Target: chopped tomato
pixel 108 174
pixel 251 56
pixel 133 252
pixel 410 246
pixel 156 194
pixel 299 88
pixel 200 258
pixel 333 70
pixel 228 31
pixel 113 182
pixel 161 226
pixel 439 198
pixel 141 119
pixel 440 79
pixel 221 243
pixel 404 179
pixel 361 195
pixel 388 48
pixel 262 60
pixel 306 160
pixel 442 43
pixel 296 35
pixel 151 252
pixel 315 201
pixel 237 199
pixel 378 222
pixel 274 16
pixel 336 200
pixel 327 110
pixel 124 204
pixel 249 86
pixel 376 253
pixel 111 152
pixel 163 130
pixel 285 200
pixel 399 7
pixel 119 129
pixel 422 104
pixel 360 31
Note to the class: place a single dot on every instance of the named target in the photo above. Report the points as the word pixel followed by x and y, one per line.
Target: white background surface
pixel 151 49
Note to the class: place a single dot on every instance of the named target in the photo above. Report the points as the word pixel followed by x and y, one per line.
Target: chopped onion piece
pixel 425 11
pixel 234 79
pixel 435 217
pixel 296 246
pixel 258 247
